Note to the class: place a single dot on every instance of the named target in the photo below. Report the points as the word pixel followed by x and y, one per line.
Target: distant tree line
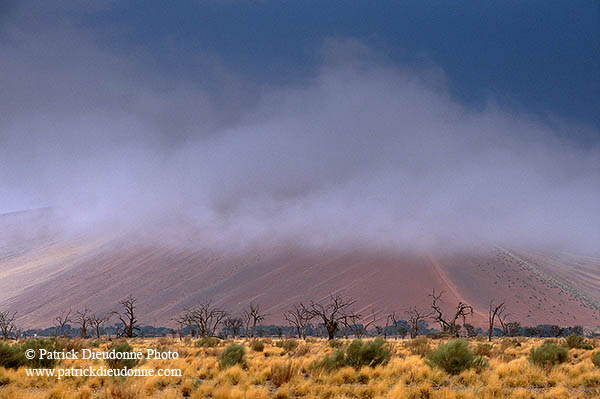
pixel 334 316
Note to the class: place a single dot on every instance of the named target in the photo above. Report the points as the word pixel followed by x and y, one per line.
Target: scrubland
pixel 315 368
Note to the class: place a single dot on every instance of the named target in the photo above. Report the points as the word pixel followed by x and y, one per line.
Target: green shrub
pixel 14 356
pixel 335 343
pixel 232 355
pixel 596 358
pixel 331 362
pixel 11 357
pixel 357 355
pixel 453 357
pixel 547 355
pixel 36 344
pixel 257 346
pixel 288 344
pixel 370 353
pixel 207 342
pixel 127 361
pixel 575 341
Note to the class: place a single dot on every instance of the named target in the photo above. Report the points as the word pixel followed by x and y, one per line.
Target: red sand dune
pixel 42 275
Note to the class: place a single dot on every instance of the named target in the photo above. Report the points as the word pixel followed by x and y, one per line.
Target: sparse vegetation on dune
pixel 316 368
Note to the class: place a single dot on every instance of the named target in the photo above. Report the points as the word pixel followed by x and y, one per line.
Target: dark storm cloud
pixel 363 152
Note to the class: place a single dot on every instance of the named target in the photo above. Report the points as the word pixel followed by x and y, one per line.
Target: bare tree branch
pixel 7 325
pixel 128 317
pixel 61 322
pixel 299 317
pixel 449 325
pixel 252 315
pixel 82 318
pixel 335 311
pixel 495 311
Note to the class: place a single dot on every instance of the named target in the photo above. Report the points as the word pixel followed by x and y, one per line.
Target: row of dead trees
pixel 203 320
pixel 335 313
pixel 90 324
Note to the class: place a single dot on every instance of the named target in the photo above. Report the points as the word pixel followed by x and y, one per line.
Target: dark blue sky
pixel 536 56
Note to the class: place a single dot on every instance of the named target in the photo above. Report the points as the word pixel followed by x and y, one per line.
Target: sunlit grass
pixel 285 370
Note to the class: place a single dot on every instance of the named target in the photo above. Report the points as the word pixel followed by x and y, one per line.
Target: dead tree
pixel 358 325
pixel 509 329
pixel 299 317
pixel 7 324
pixel 252 315
pixel 333 312
pixel 470 330
pixel 82 318
pixel 128 318
pixel 495 311
pixel 234 325
pixel 186 320
pixel 351 323
pixel 388 318
pixel 61 322
pixel 449 324
pixel 415 317
pixel 206 318
pixel 368 323
pixel 97 323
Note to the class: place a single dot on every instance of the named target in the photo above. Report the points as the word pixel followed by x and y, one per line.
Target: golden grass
pixel 279 373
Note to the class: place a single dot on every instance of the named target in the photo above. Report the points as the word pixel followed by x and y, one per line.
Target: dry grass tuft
pixel 284 370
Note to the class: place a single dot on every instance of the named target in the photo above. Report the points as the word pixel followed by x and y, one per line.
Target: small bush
pixel 288 344
pixel 335 343
pixel 370 353
pixel 357 355
pixel 596 358
pixel 11 357
pixel 207 342
pixel 257 346
pixel 4 380
pixel 281 373
pixel 453 357
pixel 330 362
pixel 232 355
pixel 126 354
pixel 419 346
pixel 36 344
pixel 548 355
pixel 575 341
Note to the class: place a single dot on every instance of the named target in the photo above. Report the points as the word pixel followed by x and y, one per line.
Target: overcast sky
pixel 406 124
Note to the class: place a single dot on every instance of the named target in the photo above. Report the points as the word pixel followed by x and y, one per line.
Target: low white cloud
pixel 363 153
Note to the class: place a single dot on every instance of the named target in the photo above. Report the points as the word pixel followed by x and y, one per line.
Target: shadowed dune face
pixel 49 273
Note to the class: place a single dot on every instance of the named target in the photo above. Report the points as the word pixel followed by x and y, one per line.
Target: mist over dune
pixel 363 152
